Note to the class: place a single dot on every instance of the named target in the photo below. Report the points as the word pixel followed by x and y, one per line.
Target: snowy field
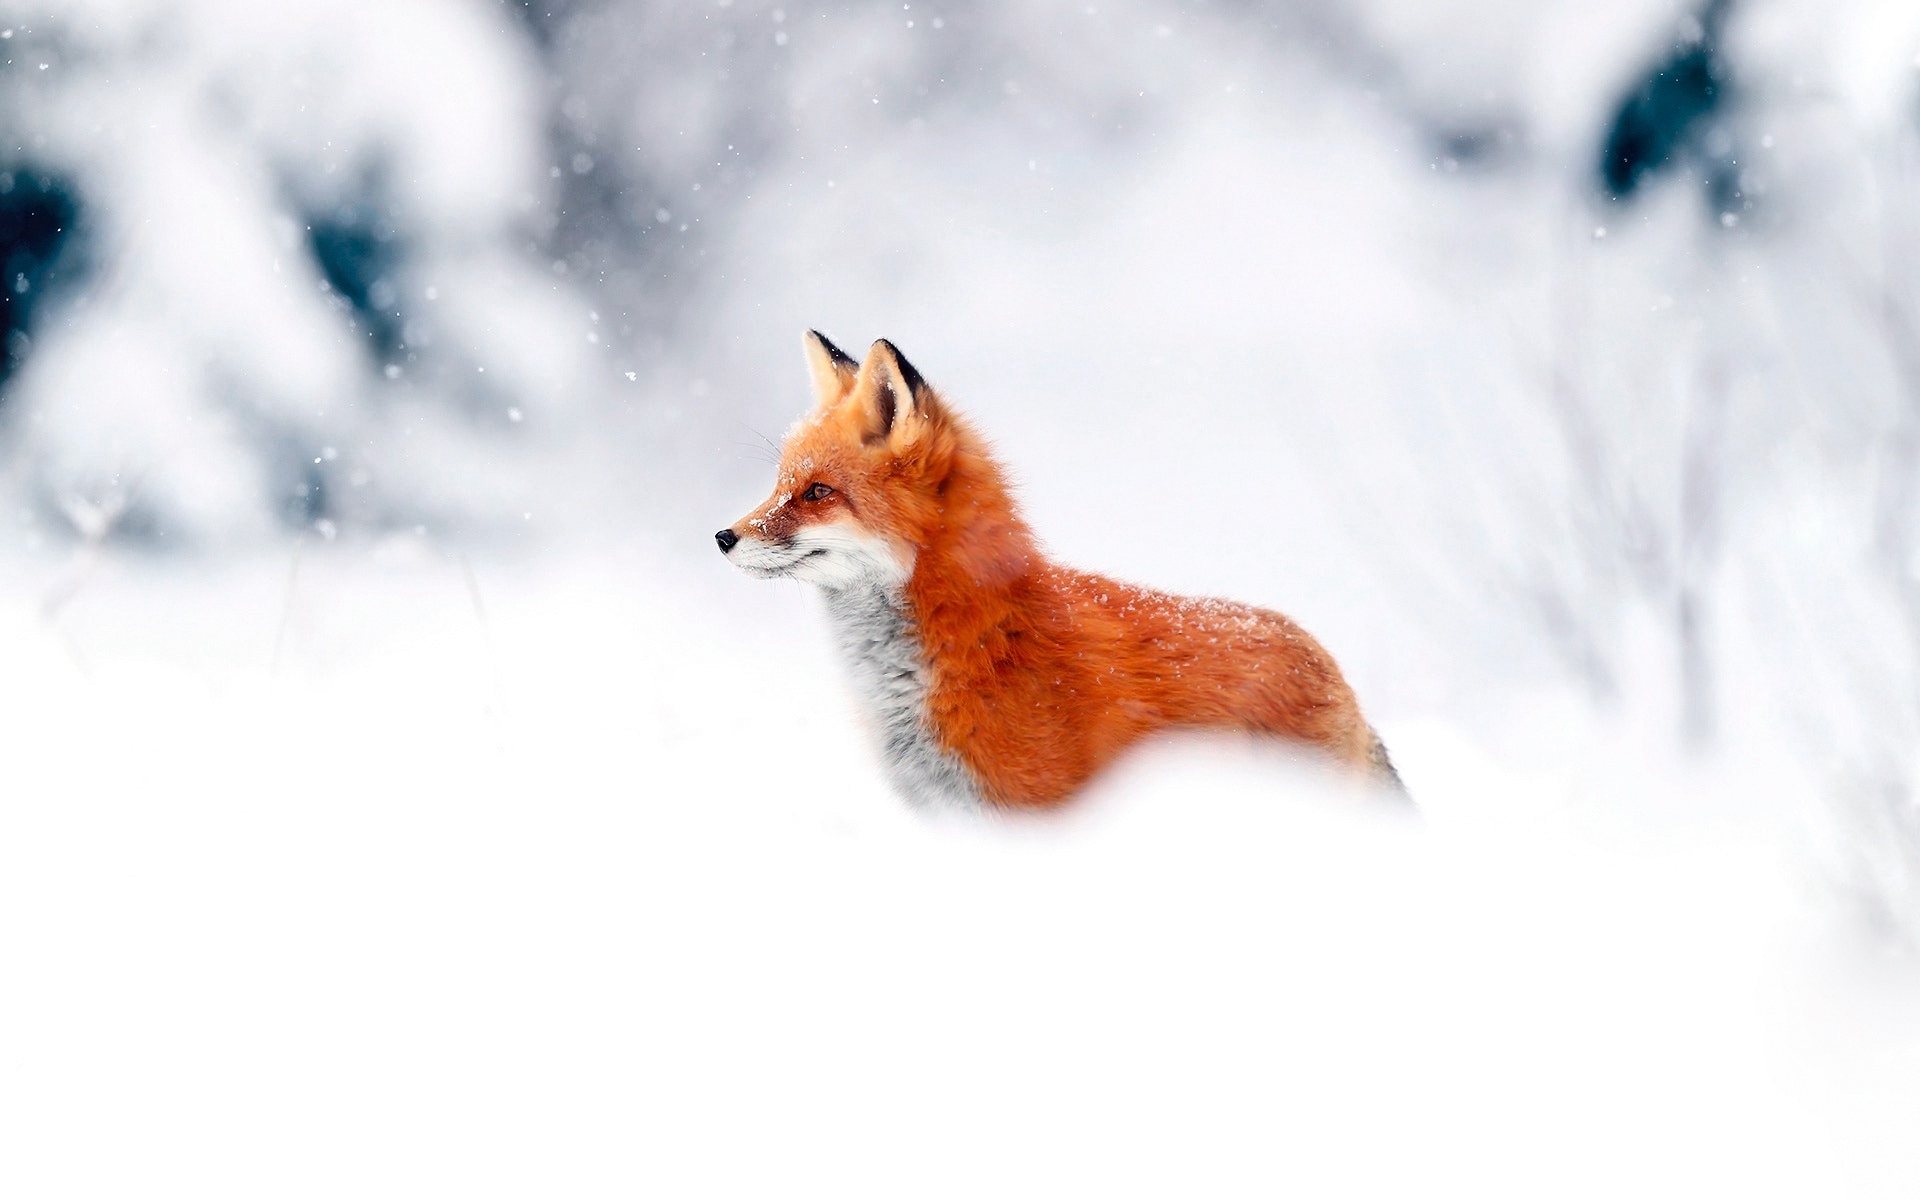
pixel 386 874
pixel 403 798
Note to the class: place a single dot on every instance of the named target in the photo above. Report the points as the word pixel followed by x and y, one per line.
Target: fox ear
pixel 897 404
pixel 833 369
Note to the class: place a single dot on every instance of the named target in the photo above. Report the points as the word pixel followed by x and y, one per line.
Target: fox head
pixel 863 479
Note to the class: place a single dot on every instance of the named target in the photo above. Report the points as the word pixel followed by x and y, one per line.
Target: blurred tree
pixel 37 219
pixel 358 248
pixel 321 300
pixel 1674 113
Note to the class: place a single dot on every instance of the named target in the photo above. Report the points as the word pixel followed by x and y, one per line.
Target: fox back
pixel 991 675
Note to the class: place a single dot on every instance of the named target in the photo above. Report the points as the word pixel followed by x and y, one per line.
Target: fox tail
pixel 1383 766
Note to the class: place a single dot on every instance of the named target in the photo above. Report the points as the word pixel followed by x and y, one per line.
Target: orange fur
pixel 1036 675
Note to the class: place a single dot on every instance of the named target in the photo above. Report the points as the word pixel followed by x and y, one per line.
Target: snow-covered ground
pixel 385 871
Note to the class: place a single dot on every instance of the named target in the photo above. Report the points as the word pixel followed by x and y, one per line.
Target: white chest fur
pixel 876 635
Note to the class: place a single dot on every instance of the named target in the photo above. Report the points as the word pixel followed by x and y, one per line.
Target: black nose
pixel 728 539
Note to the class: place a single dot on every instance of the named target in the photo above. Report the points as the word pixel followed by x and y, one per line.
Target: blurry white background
pixel 401 797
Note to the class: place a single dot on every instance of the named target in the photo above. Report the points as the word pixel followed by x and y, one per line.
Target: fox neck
pixel 961 582
pixel 883 650
pixel 976 561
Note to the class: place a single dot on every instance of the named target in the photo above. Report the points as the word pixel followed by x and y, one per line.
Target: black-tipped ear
pixel 908 376
pixel 900 408
pixel 839 357
pixel 833 369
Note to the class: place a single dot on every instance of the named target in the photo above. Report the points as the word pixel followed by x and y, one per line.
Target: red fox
pixel 995 677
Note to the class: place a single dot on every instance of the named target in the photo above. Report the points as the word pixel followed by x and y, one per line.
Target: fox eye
pixel 816 492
